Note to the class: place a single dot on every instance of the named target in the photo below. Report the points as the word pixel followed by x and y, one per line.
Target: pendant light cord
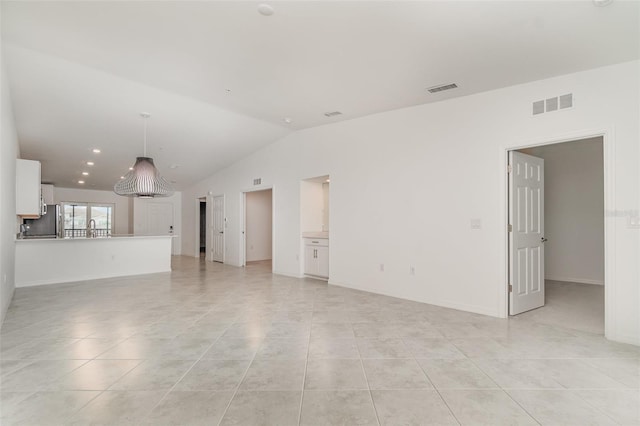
pixel 145 136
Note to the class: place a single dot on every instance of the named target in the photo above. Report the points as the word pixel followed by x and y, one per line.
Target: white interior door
pixel 526 233
pixel 217 230
pixel 160 220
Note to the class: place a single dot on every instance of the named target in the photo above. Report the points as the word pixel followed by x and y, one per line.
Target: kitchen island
pixel 60 260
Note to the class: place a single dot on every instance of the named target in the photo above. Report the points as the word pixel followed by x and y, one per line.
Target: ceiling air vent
pixel 257 181
pixel 553 104
pixel 442 87
pixel 332 113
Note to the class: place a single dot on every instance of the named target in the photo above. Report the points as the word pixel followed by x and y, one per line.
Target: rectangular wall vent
pixel 257 181
pixel 552 104
pixel 538 107
pixel 442 87
pixel 332 113
pixel 566 101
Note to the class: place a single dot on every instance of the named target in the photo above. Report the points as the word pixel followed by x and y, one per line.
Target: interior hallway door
pixel 217 230
pixel 526 233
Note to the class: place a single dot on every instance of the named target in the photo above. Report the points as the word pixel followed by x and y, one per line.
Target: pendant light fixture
pixel 143 180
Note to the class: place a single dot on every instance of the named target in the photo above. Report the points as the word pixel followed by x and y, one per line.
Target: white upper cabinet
pixel 28 193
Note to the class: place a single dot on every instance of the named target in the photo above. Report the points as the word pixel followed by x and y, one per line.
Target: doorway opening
pixel 556 235
pixel 314 227
pixel 202 228
pixel 258 228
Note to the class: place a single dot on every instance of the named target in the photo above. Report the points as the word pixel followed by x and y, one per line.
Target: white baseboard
pixel 575 280
pixel 625 338
pixel 287 274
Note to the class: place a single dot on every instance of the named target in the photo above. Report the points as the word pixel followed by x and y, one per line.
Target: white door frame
pixel 197 224
pixel 608 151
pixel 243 225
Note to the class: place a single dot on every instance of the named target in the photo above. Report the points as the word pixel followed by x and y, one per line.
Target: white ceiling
pixel 218 78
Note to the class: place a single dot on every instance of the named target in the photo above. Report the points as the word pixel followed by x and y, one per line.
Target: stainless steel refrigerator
pixel 46 226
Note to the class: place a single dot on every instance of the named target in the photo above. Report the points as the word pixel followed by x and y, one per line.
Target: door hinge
pixel 509 168
pixel 510 288
pixel 510 227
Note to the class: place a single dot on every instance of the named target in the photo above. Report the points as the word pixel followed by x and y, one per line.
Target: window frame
pixel 88 206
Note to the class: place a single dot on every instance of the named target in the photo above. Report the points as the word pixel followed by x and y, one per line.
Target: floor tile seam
pixel 237 388
pixel 447 405
pixel 304 380
pixel 148 413
pixel 521 406
pixel 366 377
pixel 72 415
pixel 487 375
pixel 596 408
pixel 57 378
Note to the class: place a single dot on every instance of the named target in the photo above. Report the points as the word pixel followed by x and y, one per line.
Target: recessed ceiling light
pixel 96 151
pixel 130 168
pixel 227 90
pixel 90 163
pixel 85 173
pixel 265 9
pixel 287 120
pixel 328 180
pixel 81 181
pixel 121 177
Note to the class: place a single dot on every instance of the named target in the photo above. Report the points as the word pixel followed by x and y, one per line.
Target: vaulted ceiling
pixel 219 78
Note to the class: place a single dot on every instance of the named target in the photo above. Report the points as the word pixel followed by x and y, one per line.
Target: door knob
pixel 543 240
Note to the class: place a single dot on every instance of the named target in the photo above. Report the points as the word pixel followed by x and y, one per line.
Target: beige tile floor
pixel 212 344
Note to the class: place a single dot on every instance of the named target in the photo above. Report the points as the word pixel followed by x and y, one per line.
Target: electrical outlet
pixel 412 270
pixel 382 267
pixel 476 224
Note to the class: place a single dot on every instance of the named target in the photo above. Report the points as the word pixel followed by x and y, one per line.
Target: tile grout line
pixel 436 389
pixel 304 376
pixel 224 413
pixel 181 377
pixel 366 377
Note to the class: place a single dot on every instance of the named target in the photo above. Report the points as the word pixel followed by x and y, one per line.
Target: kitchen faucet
pixel 91 230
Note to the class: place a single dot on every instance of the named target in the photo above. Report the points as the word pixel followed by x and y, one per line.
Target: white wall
pixel 573 210
pixel 258 226
pixel 405 184
pixel 311 206
pixel 140 219
pixel 121 215
pixel 9 151
pixel 325 206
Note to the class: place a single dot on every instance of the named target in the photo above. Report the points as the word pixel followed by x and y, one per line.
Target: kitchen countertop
pixel 316 234
pixel 113 237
